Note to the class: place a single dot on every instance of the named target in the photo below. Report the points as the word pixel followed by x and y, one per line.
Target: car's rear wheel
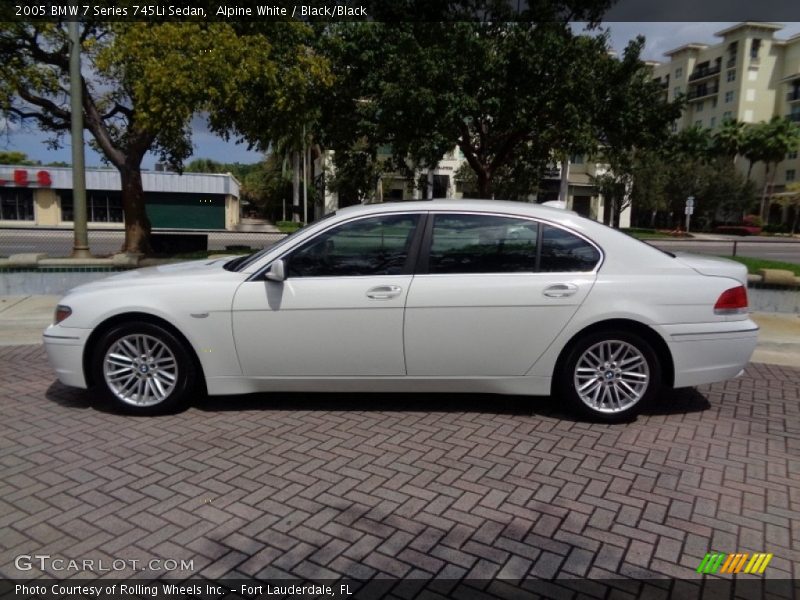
pixel 143 368
pixel 610 376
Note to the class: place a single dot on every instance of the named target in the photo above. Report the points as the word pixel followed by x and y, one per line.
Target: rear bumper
pixel 64 347
pixel 710 352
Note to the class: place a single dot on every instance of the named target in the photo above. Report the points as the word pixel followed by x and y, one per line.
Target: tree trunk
pixel 764 210
pixel 484 184
pixel 137 224
pixel 295 186
pixel 607 205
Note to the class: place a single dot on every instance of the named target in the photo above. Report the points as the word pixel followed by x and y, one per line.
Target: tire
pixel 143 369
pixel 609 390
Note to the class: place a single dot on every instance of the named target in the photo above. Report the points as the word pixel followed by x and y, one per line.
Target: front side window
pixel 563 251
pixel 370 246
pixel 482 244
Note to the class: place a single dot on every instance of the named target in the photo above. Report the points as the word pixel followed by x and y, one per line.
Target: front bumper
pixel 64 347
pixel 710 352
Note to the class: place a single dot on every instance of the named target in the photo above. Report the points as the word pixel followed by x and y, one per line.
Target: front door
pixel 340 310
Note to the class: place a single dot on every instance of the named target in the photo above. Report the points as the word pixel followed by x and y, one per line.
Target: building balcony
pixel 793 95
pixel 703 73
pixel 794 117
pixel 702 92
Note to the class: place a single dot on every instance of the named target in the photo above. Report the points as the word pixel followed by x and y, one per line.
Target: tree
pixel 15 158
pixel 356 173
pixel 142 83
pixel 791 199
pixel 690 163
pixel 499 91
pixel 770 142
pixel 728 140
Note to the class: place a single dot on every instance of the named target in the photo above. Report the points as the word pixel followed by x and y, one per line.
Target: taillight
pixel 62 312
pixel 732 301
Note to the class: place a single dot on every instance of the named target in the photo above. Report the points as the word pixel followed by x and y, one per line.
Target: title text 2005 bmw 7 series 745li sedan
pixel 456 296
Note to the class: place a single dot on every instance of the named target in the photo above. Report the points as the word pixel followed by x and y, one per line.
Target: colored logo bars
pixel 735 563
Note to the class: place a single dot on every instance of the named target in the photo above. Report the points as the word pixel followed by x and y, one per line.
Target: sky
pixel 660 37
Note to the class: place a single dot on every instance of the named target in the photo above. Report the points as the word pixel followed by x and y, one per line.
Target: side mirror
pixel 277 271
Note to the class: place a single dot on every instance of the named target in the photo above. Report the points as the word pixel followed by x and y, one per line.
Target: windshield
pixel 242 262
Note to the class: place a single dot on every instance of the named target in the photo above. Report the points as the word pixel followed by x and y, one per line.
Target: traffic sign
pixel 690 202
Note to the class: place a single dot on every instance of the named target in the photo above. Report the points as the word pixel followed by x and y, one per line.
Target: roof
pixel 449 204
pixel 686 47
pixel 750 24
pixel 152 181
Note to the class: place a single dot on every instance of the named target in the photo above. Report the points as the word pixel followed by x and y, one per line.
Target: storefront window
pixel 101 207
pixel 16 205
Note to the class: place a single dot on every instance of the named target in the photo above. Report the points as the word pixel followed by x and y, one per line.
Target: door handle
pixel 560 290
pixel 384 292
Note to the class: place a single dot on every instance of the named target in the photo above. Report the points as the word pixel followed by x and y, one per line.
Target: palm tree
pixel 728 140
pixel 771 142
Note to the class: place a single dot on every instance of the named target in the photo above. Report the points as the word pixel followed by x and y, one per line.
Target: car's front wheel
pixel 143 368
pixel 610 376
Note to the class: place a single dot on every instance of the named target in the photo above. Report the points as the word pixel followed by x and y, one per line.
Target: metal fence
pixel 57 242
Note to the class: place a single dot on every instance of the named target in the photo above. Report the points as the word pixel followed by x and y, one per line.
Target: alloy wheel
pixel 140 370
pixel 611 376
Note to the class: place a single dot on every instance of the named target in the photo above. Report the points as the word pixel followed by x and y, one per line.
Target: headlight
pixel 62 312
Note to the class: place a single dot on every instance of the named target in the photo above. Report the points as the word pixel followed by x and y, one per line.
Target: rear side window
pixel 563 251
pixel 473 243
pixel 482 244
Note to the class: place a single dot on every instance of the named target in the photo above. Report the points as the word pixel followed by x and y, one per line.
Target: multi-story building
pixel 750 76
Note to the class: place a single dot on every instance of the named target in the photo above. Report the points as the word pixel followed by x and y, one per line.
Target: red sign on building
pixel 20 177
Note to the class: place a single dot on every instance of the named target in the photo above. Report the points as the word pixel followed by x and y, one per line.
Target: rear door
pixel 491 293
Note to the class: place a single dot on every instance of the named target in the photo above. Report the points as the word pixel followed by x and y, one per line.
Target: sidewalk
pixel 23 318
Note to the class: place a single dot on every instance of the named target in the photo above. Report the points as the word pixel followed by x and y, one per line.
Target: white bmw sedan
pixel 442 296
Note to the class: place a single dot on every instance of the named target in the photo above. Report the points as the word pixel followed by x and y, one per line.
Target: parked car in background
pixel 436 296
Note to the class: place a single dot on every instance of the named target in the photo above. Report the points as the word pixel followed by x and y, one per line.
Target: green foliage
pixel 15 158
pixel 754 264
pixel 692 163
pixel 509 95
pixel 288 226
pixel 355 174
pixel 144 81
pixel 769 142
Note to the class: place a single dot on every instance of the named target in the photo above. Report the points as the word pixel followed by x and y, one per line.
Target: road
pixel 757 247
pixel 58 243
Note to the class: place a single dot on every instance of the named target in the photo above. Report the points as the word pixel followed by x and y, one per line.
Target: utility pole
pixel 80 247
pixel 305 178
pixel 295 186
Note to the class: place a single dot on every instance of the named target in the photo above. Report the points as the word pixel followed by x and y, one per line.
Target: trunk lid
pixel 714 266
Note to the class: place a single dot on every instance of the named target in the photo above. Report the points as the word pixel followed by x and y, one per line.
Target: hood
pixel 714 266
pixel 161 274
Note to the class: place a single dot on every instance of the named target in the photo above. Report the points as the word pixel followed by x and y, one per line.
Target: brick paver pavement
pixel 318 486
